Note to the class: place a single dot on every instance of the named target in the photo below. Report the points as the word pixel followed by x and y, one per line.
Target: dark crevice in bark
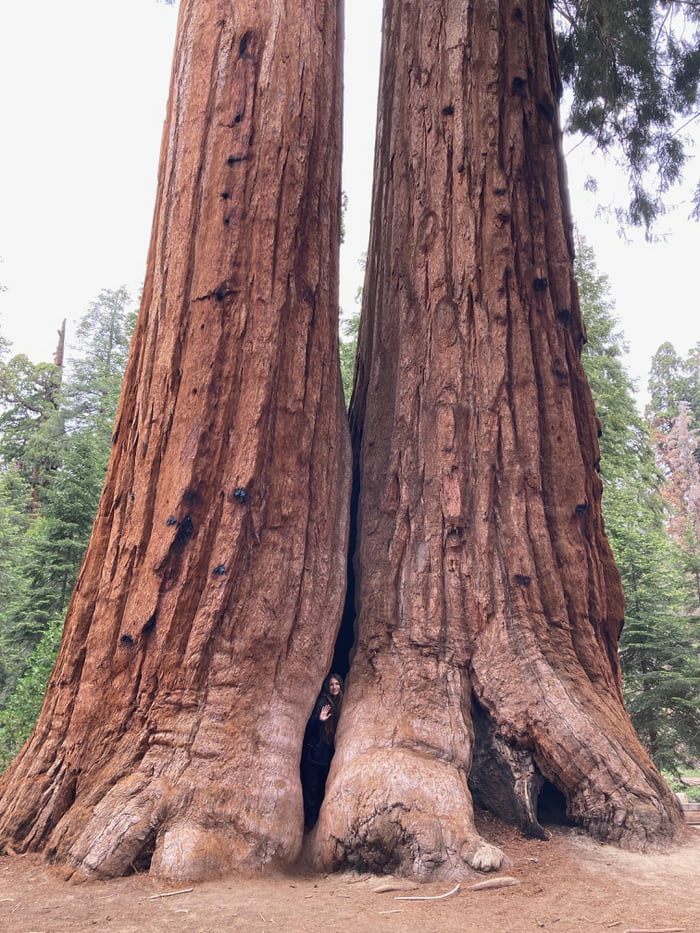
pixel 551 806
pixel 345 642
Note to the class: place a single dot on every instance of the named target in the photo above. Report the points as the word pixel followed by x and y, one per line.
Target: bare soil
pixel 568 884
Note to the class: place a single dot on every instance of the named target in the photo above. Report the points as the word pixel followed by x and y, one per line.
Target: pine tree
pixel 57 447
pixel 667 387
pixel 633 69
pixel 15 497
pixel 31 423
pixel 658 647
pixel 91 391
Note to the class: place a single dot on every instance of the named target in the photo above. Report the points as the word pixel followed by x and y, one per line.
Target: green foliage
pixel 659 643
pixel 348 351
pixel 55 440
pixel 59 536
pixel 633 67
pixel 673 380
pixel 678 785
pixel 15 497
pixel 30 423
pixel 91 393
pixel 626 455
pixel 19 715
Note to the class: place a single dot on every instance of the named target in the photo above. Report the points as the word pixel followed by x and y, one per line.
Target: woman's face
pixel 334 686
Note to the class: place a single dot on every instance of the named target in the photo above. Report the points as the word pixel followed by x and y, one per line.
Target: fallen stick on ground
pixel 503 882
pixel 394 886
pixel 433 897
pixel 170 893
pixel 664 930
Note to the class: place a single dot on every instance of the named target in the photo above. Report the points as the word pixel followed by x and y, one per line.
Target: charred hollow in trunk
pixel 503 779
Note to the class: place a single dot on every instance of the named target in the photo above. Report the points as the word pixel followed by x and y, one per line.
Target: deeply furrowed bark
pixel 484 573
pixel 206 609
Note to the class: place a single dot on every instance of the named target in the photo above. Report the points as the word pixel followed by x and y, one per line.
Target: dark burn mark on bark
pixel 234 159
pixel 170 564
pixel 243 44
pixel 236 120
pixel 307 294
pixel 540 284
pixel 519 86
pixel 581 508
pixel 560 371
pixel 453 538
pixel 182 535
pixel 150 624
pixel 522 579
pixel 221 292
pixel 126 641
pixel 546 108
pixel 448 111
pixel 225 195
pixel 564 316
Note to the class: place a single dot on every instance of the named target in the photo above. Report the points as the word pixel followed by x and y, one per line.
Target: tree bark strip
pixel 206 610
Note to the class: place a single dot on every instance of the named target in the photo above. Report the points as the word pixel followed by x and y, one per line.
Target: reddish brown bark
pixel 206 610
pixel 484 573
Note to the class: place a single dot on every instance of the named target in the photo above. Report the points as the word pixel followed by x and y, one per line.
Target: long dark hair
pixel 336 702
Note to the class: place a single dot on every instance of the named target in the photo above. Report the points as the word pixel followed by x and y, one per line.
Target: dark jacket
pixel 316 748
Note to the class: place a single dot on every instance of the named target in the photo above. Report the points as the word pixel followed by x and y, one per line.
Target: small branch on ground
pixel 433 897
pixel 170 893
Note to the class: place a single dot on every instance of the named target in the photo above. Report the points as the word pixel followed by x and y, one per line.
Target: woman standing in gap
pixel 319 745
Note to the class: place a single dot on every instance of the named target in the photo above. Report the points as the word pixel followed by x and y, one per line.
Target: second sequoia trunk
pixel 484 575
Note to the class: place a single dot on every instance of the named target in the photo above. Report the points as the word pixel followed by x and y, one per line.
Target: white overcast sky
pixel 83 86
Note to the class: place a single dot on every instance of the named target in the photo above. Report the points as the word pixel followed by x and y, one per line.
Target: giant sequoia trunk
pixel 486 583
pixel 206 609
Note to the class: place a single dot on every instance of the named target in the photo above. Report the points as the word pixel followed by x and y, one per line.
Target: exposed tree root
pixel 393 810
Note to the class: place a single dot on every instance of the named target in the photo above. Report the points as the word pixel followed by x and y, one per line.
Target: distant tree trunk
pixel 485 579
pixel 206 610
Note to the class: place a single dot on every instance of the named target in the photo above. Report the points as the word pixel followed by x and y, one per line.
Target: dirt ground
pixel 569 884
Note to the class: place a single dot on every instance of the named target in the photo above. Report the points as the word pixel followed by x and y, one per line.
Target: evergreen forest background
pixel 55 435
